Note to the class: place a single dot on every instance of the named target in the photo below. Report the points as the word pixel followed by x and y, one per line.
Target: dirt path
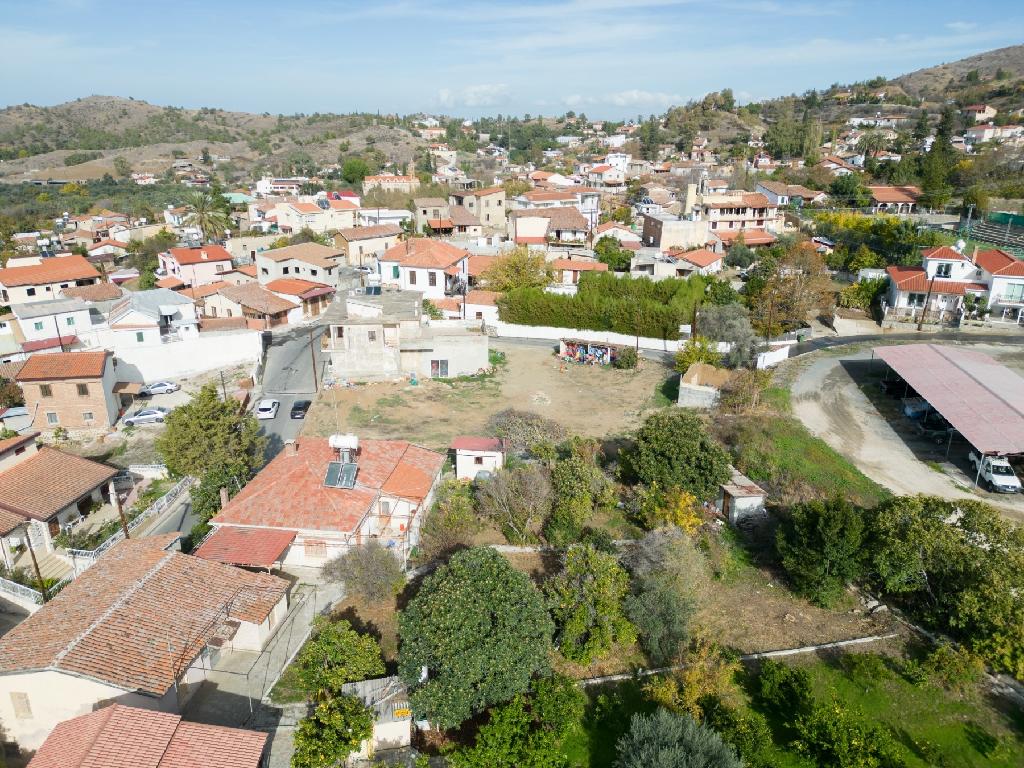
pixel 832 405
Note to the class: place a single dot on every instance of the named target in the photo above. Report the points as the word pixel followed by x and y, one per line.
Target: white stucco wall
pixel 466 467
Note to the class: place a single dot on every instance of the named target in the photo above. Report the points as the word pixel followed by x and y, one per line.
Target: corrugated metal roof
pixel 981 398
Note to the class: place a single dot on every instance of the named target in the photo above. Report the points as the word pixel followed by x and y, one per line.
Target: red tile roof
pixel 54 343
pixel 290 493
pixel 246 269
pixel 170 282
pixel 916 279
pixel 294 286
pixel 48 481
pixel 425 253
pixel 58 269
pixel 1000 263
pixel 577 265
pixel 367 233
pixel 117 736
pixel 885 194
pixel 701 258
pixel 479 264
pixel 483 298
pixel 94 292
pixel 309 253
pixel 186 256
pixel 944 252
pixel 255 297
pixel 64 365
pixel 750 236
pixel 471 443
pixel 202 291
pixel 139 616
pixel 253 547
pixel 530 240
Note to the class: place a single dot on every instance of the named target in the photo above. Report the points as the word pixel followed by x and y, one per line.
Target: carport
pixel 980 398
pixel 262 548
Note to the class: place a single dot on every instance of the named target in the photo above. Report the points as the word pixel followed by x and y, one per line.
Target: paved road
pixel 289 377
pixel 926 337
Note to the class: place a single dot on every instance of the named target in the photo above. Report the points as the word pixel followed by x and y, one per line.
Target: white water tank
pixel 344 442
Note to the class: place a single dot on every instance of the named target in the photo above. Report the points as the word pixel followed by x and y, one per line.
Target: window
pixel 30 291
pixel 432 279
pixel 140 336
pixel 45 390
pixel 412 277
pixel 314 548
pixel 83 390
pixel 22 708
pixel 385 507
pixel 69 321
pixel 86 416
pixel 394 272
pixel 284 270
pixel 38 325
pixel 479 315
pixel 478 459
pixel 264 271
pixel 221 267
pixel 439 369
pixel 371 336
pixel 915 300
pixel 51 418
pixel 943 270
pixel 19 451
pixel 313 272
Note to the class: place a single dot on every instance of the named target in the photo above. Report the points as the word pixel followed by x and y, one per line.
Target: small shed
pixel 740 499
pixel 699 386
pixel 588 352
pixel 392 716
pixel 477 454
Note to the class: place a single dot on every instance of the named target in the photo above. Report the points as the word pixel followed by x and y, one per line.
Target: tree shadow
pixel 983 742
pixel 360 624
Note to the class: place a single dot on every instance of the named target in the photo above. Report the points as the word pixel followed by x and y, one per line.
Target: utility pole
pixel 312 355
pixel 60 339
pixel 223 387
pixel 35 565
pixel 927 296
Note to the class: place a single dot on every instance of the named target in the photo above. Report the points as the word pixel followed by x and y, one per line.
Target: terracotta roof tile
pixel 701 257
pixel 425 253
pixel 578 265
pixel 64 365
pixel 294 286
pixel 750 236
pixel 186 256
pixel 367 233
pixel 94 292
pixel 53 270
pixel 310 253
pixel 138 617
pixel 290 493
pixel 483 298
pixel 257 298
pixel 472 443
pixel 117 736
pixel 885 194
pixel 564 217
pixel 1000 263
pixel 47 482
pixel 253 547
pixel 916 279
pixel 479 264
pixel 202 291
pixel 171 282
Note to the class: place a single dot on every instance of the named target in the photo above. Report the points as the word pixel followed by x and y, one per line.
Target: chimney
pixel 203 255
pixel 223 497
pixel 974 255
pixel 291 448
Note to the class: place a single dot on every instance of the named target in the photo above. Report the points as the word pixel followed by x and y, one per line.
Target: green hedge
pixel 605 302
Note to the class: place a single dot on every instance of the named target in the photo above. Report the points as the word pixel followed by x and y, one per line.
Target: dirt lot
pixel 586 400
pixel 833 394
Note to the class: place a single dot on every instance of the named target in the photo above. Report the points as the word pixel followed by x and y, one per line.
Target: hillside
pixel 932 83
pixel 34 141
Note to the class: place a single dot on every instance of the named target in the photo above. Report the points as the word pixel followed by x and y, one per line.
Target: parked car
pixel 267 409
pixel 159 388
pixel 299 408
pixel 147 416
pixel 995 473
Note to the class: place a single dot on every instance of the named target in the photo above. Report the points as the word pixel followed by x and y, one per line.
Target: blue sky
pixel 608 58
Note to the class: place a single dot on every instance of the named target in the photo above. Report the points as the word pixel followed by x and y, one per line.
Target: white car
pixel 267 409
pixel 146 416
pixel 160 388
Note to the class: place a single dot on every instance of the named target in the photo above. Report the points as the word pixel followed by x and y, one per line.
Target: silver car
pixel 147 416
pixel 160 388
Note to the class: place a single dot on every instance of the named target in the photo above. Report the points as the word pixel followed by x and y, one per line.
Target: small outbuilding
pixel 392 716
pixel 588 352
pixel 699 387
pixel 477 454
pixel 741 499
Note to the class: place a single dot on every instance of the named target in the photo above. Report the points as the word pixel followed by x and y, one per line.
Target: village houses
pixel 197 265
pixel 45 280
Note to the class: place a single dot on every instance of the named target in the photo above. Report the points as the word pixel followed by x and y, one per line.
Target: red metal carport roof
pixel 253 547
pixel 982 399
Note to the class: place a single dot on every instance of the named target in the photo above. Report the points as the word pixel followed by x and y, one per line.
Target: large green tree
pixel 480 631
pixel 528 731
pixel 336 654
pixel 668 740
pixel 673 450
pixel 332 731
pixel 209 434
pixel 820 544
pixel 519 268
pixel 586 601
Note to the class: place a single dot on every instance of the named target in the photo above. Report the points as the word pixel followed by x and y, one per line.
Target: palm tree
pixel 206 215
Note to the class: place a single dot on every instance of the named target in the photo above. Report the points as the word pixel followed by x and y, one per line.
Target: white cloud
pixel 482 95
pixel 636 98
pixel 961 26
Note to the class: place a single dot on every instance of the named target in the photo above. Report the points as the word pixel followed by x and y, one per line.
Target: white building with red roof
pixel 45 280
pixel 474 455
pixel 432 267
pixel 338 493
pixel 937 287
pixel 196 266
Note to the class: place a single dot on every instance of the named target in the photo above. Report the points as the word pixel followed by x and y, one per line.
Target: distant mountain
pixel 936 83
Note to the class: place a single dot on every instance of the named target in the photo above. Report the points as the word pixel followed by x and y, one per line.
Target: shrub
pixel 452 520
pixel 661 615
pixel 521 430
pixel 668 739
pixel 834 736
pixel 954 667
pixel 332 731
pixel 747 732
pixel 627 359
pixel 369 571
pixel 782 688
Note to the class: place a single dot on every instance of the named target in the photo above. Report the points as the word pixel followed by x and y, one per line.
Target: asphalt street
pixel 289 377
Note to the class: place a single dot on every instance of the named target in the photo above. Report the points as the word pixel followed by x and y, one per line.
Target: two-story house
pixel 936 288
pixel 432 267
pixel 56 324
pixel 196 266
pixel 389 182
pixel 362 246
pixel 1005 277
pixel 487 205
pixel 309 261
pixel 73 390
pixel 539 226
pixel 46 279
pixel 740 210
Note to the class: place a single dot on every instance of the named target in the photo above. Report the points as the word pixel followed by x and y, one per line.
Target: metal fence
pixel 20 593
pixel 83 558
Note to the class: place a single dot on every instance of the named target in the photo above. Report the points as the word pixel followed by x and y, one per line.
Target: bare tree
pixel 369 571
pixel 518 500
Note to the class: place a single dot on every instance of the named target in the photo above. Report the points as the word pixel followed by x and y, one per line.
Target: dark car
pixel 299 408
